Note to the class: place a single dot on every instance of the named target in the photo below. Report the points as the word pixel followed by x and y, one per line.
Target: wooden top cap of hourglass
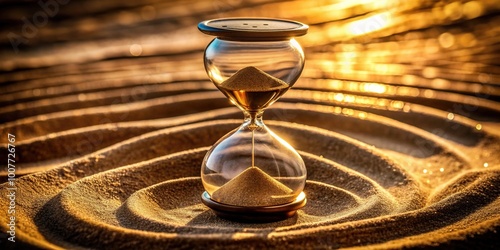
pixel 253 29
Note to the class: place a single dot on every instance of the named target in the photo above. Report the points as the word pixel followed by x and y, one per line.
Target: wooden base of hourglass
pixel 255 214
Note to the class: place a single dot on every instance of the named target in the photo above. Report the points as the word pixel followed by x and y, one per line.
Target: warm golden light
pixel 473 9
pixel 396 113
pixel 135 49
pixel 374 88
pixel 370 24
pixel 446 40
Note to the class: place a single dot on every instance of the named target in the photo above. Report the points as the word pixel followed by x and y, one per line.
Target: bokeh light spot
pixel 135 49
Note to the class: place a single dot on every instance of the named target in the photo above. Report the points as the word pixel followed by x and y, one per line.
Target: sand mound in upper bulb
pixel 253 187
pixel 253 79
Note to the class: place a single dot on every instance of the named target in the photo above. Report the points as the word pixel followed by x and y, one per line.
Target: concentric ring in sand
pixel 99 202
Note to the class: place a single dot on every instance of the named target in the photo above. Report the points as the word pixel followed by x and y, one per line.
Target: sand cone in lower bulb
pixel 253 188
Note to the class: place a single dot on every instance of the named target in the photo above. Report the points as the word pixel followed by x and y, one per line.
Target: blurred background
pixel 55 48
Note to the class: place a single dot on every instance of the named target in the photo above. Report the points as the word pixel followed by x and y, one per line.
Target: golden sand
pixel 253 187
pixel 253 79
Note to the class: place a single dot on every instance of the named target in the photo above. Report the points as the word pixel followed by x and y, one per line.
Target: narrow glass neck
pixel 253 119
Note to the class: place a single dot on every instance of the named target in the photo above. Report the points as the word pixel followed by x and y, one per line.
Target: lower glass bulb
pixel 252 166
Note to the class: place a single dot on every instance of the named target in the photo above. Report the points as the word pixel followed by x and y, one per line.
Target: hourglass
pixel 251 173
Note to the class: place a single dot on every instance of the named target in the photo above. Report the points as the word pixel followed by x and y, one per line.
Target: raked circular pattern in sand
pixel 398 128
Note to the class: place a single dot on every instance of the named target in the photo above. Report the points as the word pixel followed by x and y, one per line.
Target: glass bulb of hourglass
pixel 252 166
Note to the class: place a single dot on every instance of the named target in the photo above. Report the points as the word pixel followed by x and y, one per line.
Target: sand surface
pixel 113 112
pixel 253 79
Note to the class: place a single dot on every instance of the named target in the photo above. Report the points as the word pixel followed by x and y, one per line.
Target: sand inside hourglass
pixel 253 187
pixel 253 90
